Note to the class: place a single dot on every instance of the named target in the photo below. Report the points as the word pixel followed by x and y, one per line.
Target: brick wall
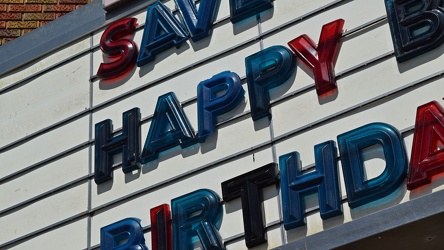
pixel 18 17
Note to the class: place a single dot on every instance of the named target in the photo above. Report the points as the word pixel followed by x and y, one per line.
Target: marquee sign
pixel 416 27
pixel 187 227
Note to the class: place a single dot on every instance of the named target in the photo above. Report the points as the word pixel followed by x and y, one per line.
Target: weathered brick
pixel 42 1
pixel 5 40
pixel 11 1
pixel 59 8
pixel 39 16
pixel 25 8
pixel 23 24
pixel 73 1
pixel 18 17
pixel 9 33
pixel 10 16
pixel 25 31
pixel 60 15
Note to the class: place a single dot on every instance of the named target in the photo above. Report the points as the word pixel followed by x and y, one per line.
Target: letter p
pixel 216 96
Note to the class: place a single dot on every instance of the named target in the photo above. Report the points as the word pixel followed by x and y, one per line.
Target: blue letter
pixel 123 235
pixel 351 144
pixel 267 69
pixel 106 146
pixel 242 9
pixel 198 22
pixel 169 128
pixel 197 216
pixel 210 104
pixel 162 31
pixel 417 26
pixel 295 185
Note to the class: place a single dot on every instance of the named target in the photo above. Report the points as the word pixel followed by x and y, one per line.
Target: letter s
pixel 124 50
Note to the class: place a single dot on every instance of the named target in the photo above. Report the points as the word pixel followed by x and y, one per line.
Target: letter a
pixel 162 31
pixel 428 145
pixel 169 128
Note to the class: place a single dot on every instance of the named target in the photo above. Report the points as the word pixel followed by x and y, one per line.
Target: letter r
pixel 197 216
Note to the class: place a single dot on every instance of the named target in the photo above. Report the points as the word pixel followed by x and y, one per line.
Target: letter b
pixel 417 26
pixel 125 234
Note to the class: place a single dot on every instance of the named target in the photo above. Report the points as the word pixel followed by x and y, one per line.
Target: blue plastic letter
pixel 162 31
pixel 351 145
pixel 417 26
pixel 295 185
pixel 210 104
pixel 242 9
pixel 267 69
pixel 106 146
pixel 123 235
pixel 197 216
pixel 169 128
pixel 198 22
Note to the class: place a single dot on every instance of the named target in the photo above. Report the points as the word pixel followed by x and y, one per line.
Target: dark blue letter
pixel 197 216
pixel 351 145
pixel 417 26
pixel 295 185
pixel 241 9
pixel 162 31
pixel 198 22
pixel 267 69
pixel 169 128
pixel 106 146
pixel 211 104
pixel 123 235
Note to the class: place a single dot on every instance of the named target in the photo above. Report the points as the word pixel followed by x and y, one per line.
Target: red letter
pixel 428 145
pixel 124 50
pixel 321 59
pixel 161 227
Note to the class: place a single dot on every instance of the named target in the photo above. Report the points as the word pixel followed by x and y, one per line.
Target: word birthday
pixel 195 218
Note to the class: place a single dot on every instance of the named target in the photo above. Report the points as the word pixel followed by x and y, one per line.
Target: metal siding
pixel 49 107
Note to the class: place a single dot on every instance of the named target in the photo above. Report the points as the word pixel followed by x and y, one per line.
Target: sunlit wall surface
pixel 49 109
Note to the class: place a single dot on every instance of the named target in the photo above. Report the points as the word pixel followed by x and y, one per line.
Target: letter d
pixel 351 145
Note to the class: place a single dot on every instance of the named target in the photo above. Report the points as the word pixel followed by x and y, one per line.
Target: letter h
pixel 294 185
pixel 106 146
